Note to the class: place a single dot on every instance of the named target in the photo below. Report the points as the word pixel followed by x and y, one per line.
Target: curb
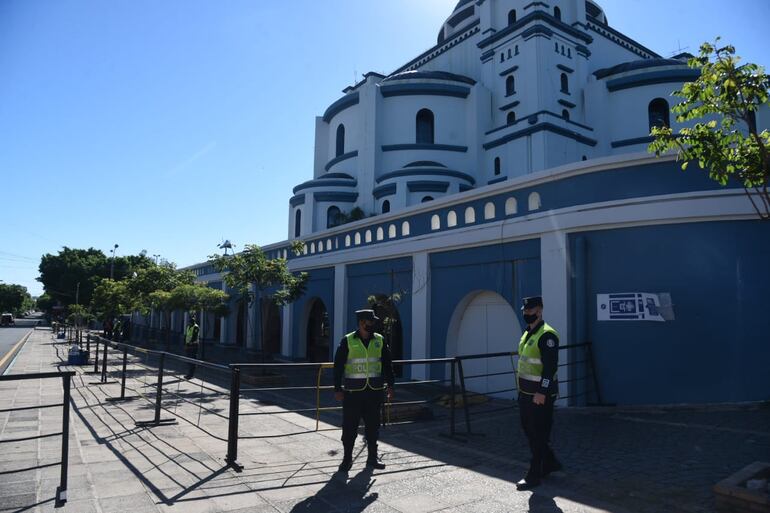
pixel 6 362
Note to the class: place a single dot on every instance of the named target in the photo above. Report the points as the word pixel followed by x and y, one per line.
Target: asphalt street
pixel 9 336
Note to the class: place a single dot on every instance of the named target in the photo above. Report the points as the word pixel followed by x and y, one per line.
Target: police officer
pixel 365 362
pixel 538 387
pixel 191 344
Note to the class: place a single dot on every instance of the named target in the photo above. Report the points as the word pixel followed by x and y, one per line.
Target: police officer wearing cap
pixel 364 360
pixel 538 387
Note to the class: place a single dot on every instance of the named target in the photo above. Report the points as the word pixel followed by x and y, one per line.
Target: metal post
pixel 156 421
pixel 159 394
pixel 123 377
pixel 465 395
pixel 88 343
pixel 232 431
pixel 61 491
pixel 452 402
pixel 104 363
pixel 96 358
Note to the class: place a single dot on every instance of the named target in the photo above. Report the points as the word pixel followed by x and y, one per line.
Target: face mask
pixel 529 319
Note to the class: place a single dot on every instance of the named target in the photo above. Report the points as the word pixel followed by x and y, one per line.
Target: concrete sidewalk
pixel 612 456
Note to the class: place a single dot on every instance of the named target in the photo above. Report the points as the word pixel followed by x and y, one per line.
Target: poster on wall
pixel 628 306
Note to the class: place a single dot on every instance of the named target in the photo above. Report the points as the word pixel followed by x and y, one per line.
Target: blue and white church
pixel 510 160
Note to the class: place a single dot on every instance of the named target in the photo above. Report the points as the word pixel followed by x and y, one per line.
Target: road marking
pixel 12 353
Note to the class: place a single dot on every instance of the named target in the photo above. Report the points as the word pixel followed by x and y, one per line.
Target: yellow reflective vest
pixel 530 368
pixel 363 369
pixel 191 335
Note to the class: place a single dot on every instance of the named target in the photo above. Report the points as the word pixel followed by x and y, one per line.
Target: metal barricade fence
pixel 66 376
pixel 580 386
pixel 306 390
pixel 144 372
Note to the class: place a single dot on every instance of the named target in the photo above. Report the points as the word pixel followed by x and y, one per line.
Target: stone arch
pixel 484 322
pixel 317 331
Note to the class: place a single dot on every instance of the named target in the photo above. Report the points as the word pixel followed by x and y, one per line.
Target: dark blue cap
pixel 366 315
pixel 531 302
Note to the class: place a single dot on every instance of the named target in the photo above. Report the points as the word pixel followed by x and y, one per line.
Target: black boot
pixel 347 460
pixel 372 461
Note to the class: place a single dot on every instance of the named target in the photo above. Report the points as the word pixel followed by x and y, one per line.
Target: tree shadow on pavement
pixel 352 495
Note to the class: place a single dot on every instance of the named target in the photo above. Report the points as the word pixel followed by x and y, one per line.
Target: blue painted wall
pixel 717 348
pixel 382 277
pixel 511 270
pixel 320 285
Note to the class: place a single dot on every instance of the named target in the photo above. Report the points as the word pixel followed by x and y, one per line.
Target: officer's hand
pixel 339 396
pixel 389 394
pixel 539 399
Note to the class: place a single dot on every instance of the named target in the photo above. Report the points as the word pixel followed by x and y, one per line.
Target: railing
pixel 584 391
pixel 61 490
pixel 120 359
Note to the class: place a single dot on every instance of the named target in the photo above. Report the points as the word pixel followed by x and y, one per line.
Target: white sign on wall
pixel 628 306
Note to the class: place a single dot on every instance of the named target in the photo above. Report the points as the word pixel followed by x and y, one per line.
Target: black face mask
pixel 529 319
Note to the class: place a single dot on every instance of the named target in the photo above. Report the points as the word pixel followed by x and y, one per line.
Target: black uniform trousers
pixel 365 404
pixel 191 351
pixel 536 421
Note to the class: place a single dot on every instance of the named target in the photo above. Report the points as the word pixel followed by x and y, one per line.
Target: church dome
pixel 463 14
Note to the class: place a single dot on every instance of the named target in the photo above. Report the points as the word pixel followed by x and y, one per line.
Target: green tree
pixel 44 303
pixel 164 277
pixel 14 299
pixel 71 276
pixel 110 299
pixel 190 298
pixel 728 145
pixel 252 274
pixel 60 274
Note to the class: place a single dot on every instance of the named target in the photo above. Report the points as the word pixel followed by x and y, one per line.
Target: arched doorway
pixel 484 322
pixel 389 326
pixel 318 331
pixel 271 327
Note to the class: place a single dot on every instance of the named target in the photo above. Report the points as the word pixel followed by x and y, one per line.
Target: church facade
pixel 510 160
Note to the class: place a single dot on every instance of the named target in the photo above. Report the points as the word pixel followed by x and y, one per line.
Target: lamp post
pixel 112 261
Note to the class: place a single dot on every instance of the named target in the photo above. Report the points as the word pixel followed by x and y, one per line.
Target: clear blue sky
pixel 172 125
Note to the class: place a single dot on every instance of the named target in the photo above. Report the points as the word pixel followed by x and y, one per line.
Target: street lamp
pixel 112 261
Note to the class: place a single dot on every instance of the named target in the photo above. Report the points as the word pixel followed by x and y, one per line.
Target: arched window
pixel 564 83
pixel 511 206
pixel 511 16
pixel 425 127
pixel 489 210
pixel 657 112
pixel 557 13
pixel 511 118
pixel 497 166
pixel 297 223
pixel 470 215
pixel 333 217
pixel 510 85
pixel 565 114
pixel 427 199
pixel 534 202
pixel 340 140
pixel 385 207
